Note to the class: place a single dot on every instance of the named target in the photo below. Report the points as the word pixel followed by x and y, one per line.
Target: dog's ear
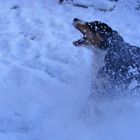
pixel 112 39
pixel 116 36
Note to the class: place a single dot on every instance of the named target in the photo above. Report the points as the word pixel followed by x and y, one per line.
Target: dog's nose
pixel 75 19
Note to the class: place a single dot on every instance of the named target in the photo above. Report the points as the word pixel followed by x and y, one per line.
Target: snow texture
pixel 45 80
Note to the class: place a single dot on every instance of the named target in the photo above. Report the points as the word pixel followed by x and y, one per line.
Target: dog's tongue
pixel 79 42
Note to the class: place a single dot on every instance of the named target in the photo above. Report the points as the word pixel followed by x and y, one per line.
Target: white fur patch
pixel 97 63
pixel 98 59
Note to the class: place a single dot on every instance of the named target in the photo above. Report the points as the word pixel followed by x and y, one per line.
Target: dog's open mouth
pixel 90 37
pixel 83 28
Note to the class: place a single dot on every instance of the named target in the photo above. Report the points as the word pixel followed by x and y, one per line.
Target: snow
pixel 45 80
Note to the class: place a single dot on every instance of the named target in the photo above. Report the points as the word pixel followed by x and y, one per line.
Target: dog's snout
pixel 75 19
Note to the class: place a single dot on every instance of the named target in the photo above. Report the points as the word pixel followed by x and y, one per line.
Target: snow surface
pixel 45 80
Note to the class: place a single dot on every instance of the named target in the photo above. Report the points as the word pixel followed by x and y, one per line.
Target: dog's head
pixel 94 33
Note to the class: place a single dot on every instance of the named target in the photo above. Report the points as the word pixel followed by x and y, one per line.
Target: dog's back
pixel 121 70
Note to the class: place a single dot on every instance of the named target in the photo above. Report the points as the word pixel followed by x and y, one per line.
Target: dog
pixel 116 64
